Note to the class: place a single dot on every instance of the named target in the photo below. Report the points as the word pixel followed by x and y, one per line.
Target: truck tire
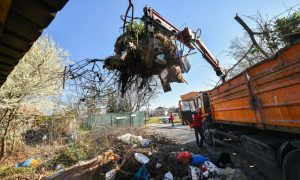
pixel 291 165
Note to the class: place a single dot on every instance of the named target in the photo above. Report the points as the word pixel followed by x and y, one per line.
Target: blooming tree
pixel 29 89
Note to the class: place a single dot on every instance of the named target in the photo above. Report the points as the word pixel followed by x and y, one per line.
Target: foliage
pixel 30 88
pixel 135 30
pixel 270 35
pixel 287 25
pixel 73 154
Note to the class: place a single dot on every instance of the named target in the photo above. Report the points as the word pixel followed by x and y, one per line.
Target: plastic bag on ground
pixel 168 176
pixel 184 157
pixel 195 173
pixel 145 142
pixel 141 174
pixel 110 175
pixel 130 138
pixel 28 163
pixel 141 158
pixel 212 168
pixel 199 159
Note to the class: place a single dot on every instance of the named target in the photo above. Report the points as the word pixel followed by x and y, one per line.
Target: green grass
pixel 12 171
pixel 157 120
pixel 154 120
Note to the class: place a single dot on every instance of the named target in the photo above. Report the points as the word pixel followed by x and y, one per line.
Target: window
pixel 188 106
pixel 199 102
pixel 185 106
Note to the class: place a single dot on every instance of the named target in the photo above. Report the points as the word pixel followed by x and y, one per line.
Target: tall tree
pixel 270 36
pixel 32 83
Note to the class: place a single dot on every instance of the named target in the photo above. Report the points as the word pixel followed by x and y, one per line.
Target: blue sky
pixel 88 29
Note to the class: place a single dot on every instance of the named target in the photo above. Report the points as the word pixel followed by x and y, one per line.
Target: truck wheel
pixel 208 137
pixel 291 165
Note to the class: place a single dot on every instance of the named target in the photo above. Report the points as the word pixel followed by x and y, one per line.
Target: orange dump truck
pixel 258 113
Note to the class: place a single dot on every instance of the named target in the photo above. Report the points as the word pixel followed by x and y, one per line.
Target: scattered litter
pixel 169 176
pixel 59 167
pixel 145 142
pixel 184 157
pixel 199 159
pixel 134 146
pixel 195 172
pixel 234 153
pixel 141 174
pixel 76 171
pixel 28 163
pixel 212 170
pixel 130 138
pixel 141 158
pixel 110 175
pixel 252 166
pixel 158 165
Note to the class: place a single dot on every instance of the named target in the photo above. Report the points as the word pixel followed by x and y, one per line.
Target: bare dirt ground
pixel 185 138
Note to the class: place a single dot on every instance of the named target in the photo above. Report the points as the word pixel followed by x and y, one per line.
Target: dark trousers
pixel 199 130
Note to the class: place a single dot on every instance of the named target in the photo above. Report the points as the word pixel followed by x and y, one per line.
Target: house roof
pixel 21 23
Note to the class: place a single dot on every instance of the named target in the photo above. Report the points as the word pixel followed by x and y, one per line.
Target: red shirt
pixel 172 117
pixel 198 120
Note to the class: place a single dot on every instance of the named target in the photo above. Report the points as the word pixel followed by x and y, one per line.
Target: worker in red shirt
pixel 172 118
pixel 198 126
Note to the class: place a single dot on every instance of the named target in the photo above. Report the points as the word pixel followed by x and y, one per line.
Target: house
pixel 160 111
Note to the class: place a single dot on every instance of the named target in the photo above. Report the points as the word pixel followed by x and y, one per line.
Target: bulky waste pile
pixel 154 157
pixel 139 56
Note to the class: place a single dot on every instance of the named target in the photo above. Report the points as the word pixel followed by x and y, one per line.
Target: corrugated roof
pixel 20 26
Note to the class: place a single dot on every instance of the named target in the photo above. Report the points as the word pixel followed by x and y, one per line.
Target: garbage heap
pixel 139 56
pixel 151 157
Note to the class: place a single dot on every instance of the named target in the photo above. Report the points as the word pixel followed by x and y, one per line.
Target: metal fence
pixel 115 119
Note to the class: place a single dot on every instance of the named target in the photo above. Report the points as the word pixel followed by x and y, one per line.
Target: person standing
pixel 198 127
pixel 172 118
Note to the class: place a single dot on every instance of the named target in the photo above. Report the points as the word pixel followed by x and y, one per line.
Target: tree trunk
pixel 11 116
pixel 3 147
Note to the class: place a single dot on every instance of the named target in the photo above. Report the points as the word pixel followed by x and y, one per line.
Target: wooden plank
pixel 35 11
pixel 4 72
pixel 7 61
pixel 15 42
pixel 5 66
pixel 57 5
pixel 22 27
pixel 11 53
pixel 4 9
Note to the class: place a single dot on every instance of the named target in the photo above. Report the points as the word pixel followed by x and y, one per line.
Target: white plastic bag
pixel 141 158
pixel 130 138
pixel 145 142
pixel 195 172
pixel 110 175
pixel 212 168
pixel 168 176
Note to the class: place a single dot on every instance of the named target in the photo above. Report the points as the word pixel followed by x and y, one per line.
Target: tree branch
pixel 251 34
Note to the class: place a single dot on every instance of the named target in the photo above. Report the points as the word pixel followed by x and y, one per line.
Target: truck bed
pixel 265 96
